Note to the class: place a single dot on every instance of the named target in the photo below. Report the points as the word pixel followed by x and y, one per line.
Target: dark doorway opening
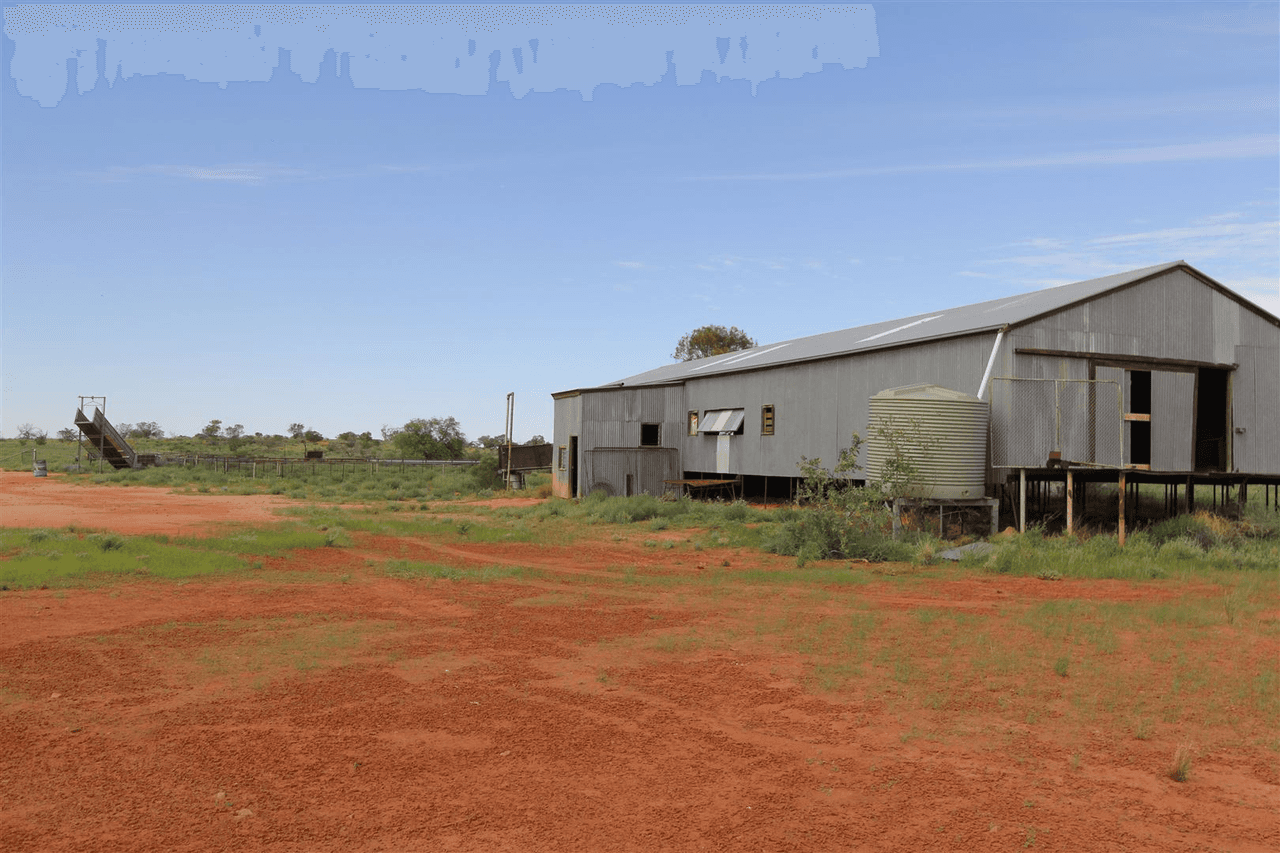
pixel 573 466
pixel 1140 392
pixel 1140 404
pixel 1211 419
pixel 1140 442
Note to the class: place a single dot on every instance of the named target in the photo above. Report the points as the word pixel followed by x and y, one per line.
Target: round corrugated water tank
pixel 941 433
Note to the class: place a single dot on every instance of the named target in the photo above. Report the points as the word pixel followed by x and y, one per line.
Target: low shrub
pixel 849 524
pixel 1190 528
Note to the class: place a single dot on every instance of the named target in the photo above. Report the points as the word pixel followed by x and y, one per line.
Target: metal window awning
pixel 721 421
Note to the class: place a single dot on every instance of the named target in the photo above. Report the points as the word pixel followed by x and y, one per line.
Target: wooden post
pixel 995 516
pixel 1123 500
pixel 1022 500
pixel 897 517
pixel 1071 502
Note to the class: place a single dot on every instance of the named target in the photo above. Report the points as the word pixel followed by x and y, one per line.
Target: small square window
pixel 650 435
pixel 766 420
pixel 693 422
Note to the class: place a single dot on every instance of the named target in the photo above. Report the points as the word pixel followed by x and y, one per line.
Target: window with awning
pixel 721 421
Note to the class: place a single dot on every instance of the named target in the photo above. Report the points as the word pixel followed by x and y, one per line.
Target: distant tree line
pixel 419 438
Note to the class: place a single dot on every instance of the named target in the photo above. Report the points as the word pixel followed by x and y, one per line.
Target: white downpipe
pixel 991 363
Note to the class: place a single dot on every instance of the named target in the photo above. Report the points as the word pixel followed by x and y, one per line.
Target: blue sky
pixel 350 257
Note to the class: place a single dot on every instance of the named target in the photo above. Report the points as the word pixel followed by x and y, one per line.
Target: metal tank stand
pixel 993 504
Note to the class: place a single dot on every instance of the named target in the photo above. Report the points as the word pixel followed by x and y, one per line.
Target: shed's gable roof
pixel 949 323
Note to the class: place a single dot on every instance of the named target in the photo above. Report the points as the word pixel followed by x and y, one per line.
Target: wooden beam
pixel 1071 499
pixel 1107 359
pixel 1022 500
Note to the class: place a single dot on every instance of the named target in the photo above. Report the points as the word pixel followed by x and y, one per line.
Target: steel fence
pixel 1036 422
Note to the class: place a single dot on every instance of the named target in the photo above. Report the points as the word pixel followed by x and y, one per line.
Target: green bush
pixel 1186 527
pixel 849 524
pixel 486 475
pixel 1181 549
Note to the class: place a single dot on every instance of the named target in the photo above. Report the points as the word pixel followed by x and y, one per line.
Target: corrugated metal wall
pixel 818 406
pixel 568 422
pixel 630 470
pixel 612 417
pixel 1173 409
pixel 1174 316
pixel 1255 392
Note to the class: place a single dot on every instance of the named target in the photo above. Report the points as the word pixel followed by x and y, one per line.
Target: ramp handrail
pixel 101 422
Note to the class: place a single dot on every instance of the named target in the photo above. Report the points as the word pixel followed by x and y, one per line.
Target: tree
pixel 26 432
pixel 312 436
pixel 125 428
pixel 707 341
pixel 491 441
pixel 437 438
pixel 389 432
pixel 537 439
pixel 67 434
pixel 295 431
pixel 235 431
pixel 213 429
pixel 147 429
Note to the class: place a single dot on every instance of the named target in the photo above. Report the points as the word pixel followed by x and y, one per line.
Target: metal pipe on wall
pixel 991 363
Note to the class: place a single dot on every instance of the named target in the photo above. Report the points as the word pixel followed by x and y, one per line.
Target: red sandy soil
pixel 54 501
pixel 360 712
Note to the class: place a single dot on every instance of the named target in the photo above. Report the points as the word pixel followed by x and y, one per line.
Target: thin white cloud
pixel 1200 241
pixel 1041 243
pixel 631 265
pixel 408 169
pixel 1269 302
pixel 227 173
pixel 1247 147
pixel 1126 106
pixel 1215 218
pixel 1242 255
pixel 1254 19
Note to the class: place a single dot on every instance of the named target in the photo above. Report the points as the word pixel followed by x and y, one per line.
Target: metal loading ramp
pixel 105 441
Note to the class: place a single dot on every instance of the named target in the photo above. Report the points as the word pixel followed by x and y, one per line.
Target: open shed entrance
pixel 573 467
pixel 1212 406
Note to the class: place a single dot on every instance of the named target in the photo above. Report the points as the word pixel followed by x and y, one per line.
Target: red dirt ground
pixel 361 712
pixel 54 501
